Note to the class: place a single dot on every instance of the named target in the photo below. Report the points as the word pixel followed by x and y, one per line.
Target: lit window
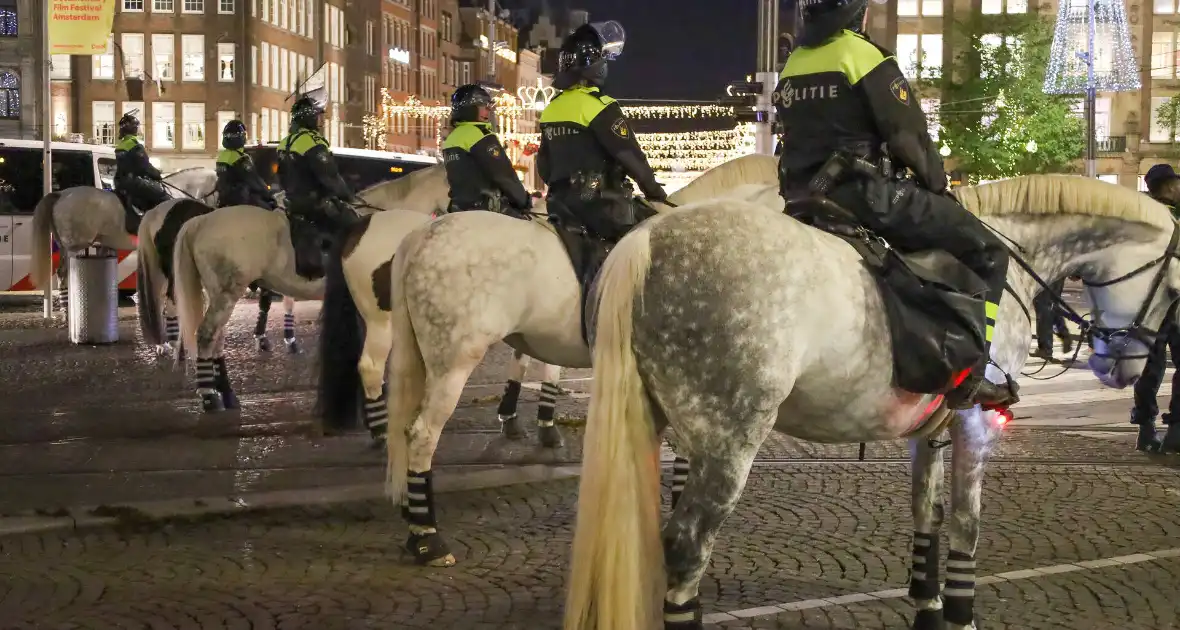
pixel 9 96
pixel 133 55
pixel 194 126
pixel 164 125
pixel 103 115
pixel 226 59
pixel 164 57
pixel 192 51
pixel 103 66
pixel 8 22
pixel 164 6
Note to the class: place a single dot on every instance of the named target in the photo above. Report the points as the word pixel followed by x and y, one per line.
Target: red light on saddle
pixel 960 377
pixel 1003 417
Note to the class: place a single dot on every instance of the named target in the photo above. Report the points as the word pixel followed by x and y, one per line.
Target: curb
pixel 112 515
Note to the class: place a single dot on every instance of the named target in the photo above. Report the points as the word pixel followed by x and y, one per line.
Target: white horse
pixel 220 253
pixel 469 280
pixel 85 216
pixel 729 320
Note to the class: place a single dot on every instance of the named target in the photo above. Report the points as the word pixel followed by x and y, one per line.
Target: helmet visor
pixel 319 96
pixel 612 36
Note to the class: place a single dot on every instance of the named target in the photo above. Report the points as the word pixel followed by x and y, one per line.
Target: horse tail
pixel 40 267
pixel 148 271
pixel 617 569
pixel 341 342
pixel 186 285
pixel 407 379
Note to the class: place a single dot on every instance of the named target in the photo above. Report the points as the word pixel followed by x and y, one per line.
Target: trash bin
pixel 94 296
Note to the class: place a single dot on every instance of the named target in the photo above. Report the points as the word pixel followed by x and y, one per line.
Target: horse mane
pixel 754 168
pixel 400 188
pixel 185 170
pixel 1063 195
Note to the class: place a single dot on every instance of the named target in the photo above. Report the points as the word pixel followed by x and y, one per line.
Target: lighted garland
pixel 688 151
pixel 509 106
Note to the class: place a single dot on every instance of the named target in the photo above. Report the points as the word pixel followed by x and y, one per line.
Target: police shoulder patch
pixel 494 150
pixel 901 90
pixel 619 127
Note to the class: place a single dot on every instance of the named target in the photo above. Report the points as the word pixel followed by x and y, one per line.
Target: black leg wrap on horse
pixel 547 405
pixel 679 479
pixel 206 375
pixel 376 416
pixel 427 546
pixel 928 620
pixel 686 616
pixel 263 313
pixel 171 329
pixel 288 326
pixel 421 499
pixel 509 399
pixel 223 385
pixel 924 574
pixel 959 593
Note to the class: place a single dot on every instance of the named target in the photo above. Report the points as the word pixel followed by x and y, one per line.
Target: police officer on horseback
pixel 587 146
pixel 478 170
pixel 308 173
pixel 843 99
pixel 137 182
pixel 238 183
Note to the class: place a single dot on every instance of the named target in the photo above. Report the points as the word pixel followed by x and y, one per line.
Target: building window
pixel 223 119
pixel 194 125
pixel 915 8
pixel 1110 179
pixel 996 7
pixel 132 6
pixel 226 60
pixel 164 6
pixel 9 95
pixel 225 6
pixel 281 18
pixel 920 55
pixel 370 37
pixel 133 55
pixel 284 67
pixel 262 131
pixel 192 50
pixel 164 125
pixel 444 25
pixel 254 65
pixel 275 125
pixel 103 114
pixel 265 64
pixel 8 22
pixel 164 57
pixel 1164 7
pixel 275 51
pixel 252 132
pixel 1158 132
pixel 103 66
pixel 135 108
pixel 61 67
pixel 192 6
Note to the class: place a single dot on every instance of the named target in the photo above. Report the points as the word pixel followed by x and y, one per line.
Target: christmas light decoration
pixel 1091 31
pixel 509 106
pixel 682 152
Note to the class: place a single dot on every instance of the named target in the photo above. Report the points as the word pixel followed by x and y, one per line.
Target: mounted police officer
pixel 308 173
pixel 238 183
pixel 587 147
pixel 478 170
pixel 136 181
pixel 843 98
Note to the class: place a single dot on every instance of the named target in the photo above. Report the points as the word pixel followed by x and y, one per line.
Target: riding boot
pixel 974 388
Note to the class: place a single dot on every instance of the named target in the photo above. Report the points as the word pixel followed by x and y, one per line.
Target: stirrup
pixel 976 389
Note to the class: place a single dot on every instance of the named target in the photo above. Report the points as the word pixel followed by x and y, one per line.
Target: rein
pixel 185 192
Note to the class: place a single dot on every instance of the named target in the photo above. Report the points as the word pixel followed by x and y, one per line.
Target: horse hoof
pixel 1149 445
pixel 430 550
pixel 929 620
pixel 550 437
pixel 230 400
pixel 511 428
pixel 212 403
pixel 1171 441
pixel 262 343
pixel 292 346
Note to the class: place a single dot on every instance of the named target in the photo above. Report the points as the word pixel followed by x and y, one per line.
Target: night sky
pixel 678 49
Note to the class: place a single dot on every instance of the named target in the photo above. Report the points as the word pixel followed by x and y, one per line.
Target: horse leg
pixel 442 395
pixel 371 367
pixel 63 282
pixel 510 426
pixel 261 341
pixel 715 482
pixel 289 325
pixel 547 432
pixel 680 470
pixel 926 502
pixel 171 328
pixel 224 387
pixel 971 435
pixel 212 379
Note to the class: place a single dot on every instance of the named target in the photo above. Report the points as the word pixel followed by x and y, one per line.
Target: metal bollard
pixel 94 296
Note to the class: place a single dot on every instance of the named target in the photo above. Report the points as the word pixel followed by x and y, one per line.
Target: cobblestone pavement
pixel 800 533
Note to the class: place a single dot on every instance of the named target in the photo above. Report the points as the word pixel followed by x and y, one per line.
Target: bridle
pixel 1109 335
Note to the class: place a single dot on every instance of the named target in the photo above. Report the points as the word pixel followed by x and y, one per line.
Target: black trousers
pixel 1049 319
pixel 144 194
pixel 915 219
pixel 1148 386
pixel 608 216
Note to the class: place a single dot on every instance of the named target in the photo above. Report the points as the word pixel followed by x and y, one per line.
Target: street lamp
pixel 945 151
pixel 1031 147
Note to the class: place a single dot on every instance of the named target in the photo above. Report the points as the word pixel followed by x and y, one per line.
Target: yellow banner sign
pixel 80 27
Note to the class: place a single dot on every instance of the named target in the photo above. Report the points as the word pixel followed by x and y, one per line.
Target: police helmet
pixel 129 124
pixel 306 112
pixel 467 101
pixel 824 18
pixel 233 136
pixel 585 51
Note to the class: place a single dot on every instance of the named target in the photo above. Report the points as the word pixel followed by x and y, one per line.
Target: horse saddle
pixel 934 304
pixel 311 244
pixel 587 253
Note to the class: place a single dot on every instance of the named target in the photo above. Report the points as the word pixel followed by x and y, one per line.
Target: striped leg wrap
pixel 263 313
pixel 221 375
pixel 548 404
pixel 420 502
pixel 508 401
pixel 679 479
pixel 288 325
pixel 960 588
pixel 924 575
pixel 206 376
pixel 684 615
pixel 63 297
pixel 171 329
pixel 376 416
